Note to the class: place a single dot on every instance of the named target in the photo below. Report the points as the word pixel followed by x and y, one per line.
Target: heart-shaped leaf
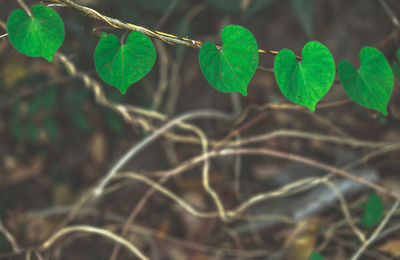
pixel 230 68
pixel 305 82
pixel 372 84
pixel 38 36
pixel 122 65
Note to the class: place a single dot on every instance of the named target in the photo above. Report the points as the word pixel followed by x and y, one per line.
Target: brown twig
pixel 165 37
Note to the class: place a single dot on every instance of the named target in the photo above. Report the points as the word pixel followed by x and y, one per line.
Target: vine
pixel 228 68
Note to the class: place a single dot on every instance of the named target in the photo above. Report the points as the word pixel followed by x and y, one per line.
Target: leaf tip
pixel 49 58
pixel 122 91
pixel 312 107
pixel 243 92
pixel 383 111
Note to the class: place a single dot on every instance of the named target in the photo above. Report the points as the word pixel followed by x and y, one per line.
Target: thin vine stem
pixel 165 37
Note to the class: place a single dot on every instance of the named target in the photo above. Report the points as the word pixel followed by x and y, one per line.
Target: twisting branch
pixel 149 139
pixel 185 205
pixel 291 157
pixel 204 145
pixel 304 135
pixel 287 189
pixel 94 230
pixel 165 37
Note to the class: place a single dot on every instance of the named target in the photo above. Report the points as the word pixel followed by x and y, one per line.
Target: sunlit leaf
pixel 38 36
pixel 230 68
pixel 122 65
pixel 371 85
pixel 307 81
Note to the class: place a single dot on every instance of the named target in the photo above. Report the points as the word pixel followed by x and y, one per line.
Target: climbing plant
pixel 228 67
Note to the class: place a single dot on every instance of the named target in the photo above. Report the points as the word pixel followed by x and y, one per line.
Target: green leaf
pixel 315 256
pixel 304 11
pixel 373 210
pixel 122 65
pixel 38 36
pixel 396 66
pixel 230 68
pixel 371 85
pixel 307 81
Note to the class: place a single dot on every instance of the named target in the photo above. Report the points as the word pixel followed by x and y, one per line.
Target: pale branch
pixel 117 23
pixel 94 230
pixel 149 139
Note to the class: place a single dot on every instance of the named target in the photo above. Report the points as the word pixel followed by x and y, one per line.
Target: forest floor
pixel 58 141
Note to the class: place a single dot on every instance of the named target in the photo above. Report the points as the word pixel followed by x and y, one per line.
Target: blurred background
pixel 57 140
